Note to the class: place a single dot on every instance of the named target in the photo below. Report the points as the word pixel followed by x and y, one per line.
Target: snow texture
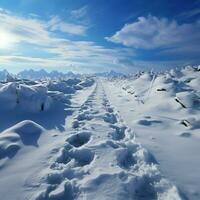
pixel 100 137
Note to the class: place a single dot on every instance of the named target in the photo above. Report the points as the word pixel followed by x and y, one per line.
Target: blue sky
pixel 96 36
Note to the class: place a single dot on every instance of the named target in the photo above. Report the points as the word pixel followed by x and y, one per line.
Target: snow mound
pixel 32 98
pixel 87 83
pixel 24 133
pixel 26 127
pixel 61 86
pixel 70 85
pixel 73 81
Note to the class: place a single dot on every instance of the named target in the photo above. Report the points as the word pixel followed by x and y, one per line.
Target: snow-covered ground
pixel 133 137
pixel 164 112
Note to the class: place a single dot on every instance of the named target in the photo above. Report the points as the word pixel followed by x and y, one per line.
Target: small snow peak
pixel 28 131
pixel 27 126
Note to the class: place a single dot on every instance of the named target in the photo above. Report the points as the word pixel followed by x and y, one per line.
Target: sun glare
pixel 6 40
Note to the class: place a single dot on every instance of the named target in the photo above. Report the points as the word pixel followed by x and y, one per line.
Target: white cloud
pixel 56 24
pixel 152 32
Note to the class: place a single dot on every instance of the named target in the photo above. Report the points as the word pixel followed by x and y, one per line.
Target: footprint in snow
pixel 80 157
pixel 125 158
pixel 149 122
pixel 84 116
pixel 119 132
pixel 110 118
pixel 79 139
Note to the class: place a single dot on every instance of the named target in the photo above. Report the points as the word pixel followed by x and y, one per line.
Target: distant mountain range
pixel 43 74
pixel 35 74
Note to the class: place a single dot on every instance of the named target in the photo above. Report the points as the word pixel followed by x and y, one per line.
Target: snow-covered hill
pixel 101 137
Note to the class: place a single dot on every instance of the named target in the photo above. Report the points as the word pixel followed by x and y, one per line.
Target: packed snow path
pixel 101 160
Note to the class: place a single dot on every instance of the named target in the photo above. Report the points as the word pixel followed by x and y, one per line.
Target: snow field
pixel 101 160
pixel 91 137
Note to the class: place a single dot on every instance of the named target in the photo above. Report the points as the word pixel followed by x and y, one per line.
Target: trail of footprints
pixel 99 148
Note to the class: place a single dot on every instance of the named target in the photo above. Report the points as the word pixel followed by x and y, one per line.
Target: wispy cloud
pixel 81 15
pixel 61 51
pixel 192 13
pixel 80 12
pixel 23 29
pixel 56 24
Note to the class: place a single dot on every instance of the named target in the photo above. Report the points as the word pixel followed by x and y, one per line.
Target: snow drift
pixel 24 133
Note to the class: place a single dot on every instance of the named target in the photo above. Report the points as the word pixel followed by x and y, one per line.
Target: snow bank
pixel 36 96
pixel 70 86
pixel 8 95
pixel 33 98
pixel 28 98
